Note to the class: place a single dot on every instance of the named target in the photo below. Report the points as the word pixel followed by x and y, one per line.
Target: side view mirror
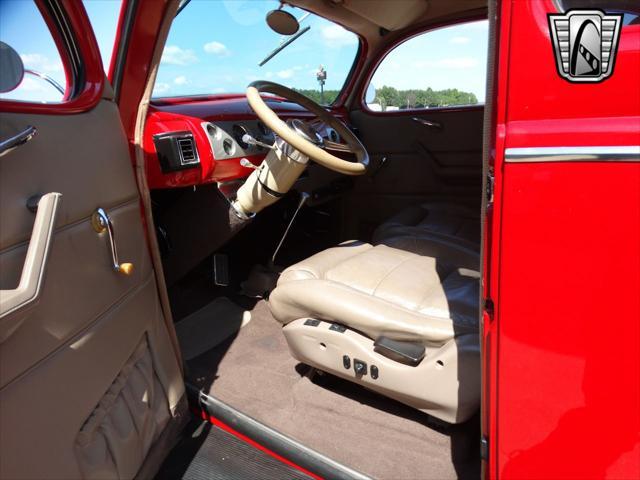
pixel 11 68
pixel 282 22
pixel 370 94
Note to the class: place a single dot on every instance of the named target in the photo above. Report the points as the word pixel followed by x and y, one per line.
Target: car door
pixel 423 129
pixel 562 329
pixel 90 381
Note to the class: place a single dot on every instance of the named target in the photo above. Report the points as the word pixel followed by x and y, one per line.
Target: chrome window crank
pixel 101 222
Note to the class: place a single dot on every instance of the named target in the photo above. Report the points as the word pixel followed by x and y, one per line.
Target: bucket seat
pixel 400 318
pixel 449 221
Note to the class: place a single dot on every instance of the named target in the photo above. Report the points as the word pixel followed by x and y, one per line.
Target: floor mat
pixel 254 372
pixel 210 326
pixel 207 452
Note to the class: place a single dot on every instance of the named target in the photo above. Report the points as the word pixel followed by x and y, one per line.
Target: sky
pixel 214 46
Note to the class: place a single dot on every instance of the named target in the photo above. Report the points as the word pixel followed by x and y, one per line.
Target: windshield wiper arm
pixel 181 6
pixel 285 45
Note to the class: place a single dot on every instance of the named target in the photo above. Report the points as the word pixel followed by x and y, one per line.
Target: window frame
pixel 80 59
pixel 384 52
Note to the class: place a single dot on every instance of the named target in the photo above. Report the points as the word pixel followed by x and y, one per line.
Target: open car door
pixel 90 377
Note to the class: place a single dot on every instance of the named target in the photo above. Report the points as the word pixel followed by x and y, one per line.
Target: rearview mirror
pixel 11 68
pixel 282 22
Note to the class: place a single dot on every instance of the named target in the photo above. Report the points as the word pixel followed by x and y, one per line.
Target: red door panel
pixel 569 321
pixel 564 268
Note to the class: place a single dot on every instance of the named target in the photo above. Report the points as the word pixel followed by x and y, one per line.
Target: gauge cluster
pixel 226 141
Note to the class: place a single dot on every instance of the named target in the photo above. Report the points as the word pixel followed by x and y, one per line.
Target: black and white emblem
pixel 585 44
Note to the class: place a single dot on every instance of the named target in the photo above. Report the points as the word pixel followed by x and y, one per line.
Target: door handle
pixel 101 223
pixel 427 123
pixel 35 262
pixel 20 139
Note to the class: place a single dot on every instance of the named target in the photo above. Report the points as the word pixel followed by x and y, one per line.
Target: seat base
pixel 445 384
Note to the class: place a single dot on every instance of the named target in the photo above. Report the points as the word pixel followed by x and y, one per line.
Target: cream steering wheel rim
pixel 315 153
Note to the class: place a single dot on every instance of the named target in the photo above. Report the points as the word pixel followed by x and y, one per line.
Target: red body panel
pixel 564 266
pixel 91 90
pixel 180 114
pixel 208 171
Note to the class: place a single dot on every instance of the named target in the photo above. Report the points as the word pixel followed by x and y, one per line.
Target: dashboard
pixel 193 141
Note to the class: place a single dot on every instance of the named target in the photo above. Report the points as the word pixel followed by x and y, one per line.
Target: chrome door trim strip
pixel 630 153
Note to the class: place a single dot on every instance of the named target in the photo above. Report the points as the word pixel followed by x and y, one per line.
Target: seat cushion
pixel 382 290
pixel 444 220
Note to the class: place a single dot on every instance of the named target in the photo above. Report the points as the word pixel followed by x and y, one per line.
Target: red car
pixel 320 239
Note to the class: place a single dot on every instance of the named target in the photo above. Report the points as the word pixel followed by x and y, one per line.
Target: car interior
pixel 329 289
pixel 313 278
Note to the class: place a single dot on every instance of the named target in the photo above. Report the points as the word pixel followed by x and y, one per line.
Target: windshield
pixel 215 47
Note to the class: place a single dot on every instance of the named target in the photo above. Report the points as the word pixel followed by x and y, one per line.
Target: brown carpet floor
pixel 253 372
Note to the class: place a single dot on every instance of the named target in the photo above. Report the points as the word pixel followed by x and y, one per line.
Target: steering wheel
pixel 303 140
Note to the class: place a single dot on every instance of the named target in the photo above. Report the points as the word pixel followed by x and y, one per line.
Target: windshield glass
pixel 216 47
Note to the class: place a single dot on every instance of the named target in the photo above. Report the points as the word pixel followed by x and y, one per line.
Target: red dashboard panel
pixel 188 114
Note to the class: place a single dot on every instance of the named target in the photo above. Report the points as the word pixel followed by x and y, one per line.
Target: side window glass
pixel 25 31
pixel 104 16
pixel 446 67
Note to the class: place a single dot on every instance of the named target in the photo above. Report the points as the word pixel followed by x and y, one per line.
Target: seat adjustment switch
pixel 346 362
pixel 359 367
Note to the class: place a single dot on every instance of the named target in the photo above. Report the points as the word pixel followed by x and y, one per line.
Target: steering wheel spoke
pixel 337 146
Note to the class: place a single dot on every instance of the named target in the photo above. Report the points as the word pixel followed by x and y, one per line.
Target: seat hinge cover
pixel 488 307
pixel 490 185
pixel 484 448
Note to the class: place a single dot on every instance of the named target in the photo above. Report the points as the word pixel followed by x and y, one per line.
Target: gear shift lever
pixel 304 196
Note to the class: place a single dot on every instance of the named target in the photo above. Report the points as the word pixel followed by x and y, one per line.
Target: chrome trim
pixel 19 139
pixel 46 78
pixel 630 153
pixel 427 123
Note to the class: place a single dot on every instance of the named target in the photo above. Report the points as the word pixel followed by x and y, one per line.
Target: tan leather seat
pixel 384 290
pixel 449 221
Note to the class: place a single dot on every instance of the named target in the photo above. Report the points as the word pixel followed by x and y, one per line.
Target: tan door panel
pixel 90 363
pixel 438 162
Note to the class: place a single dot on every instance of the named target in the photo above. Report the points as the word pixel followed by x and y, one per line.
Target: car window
pixel 104 16
pixel 446 67
pixel 44 80
pixel 217 48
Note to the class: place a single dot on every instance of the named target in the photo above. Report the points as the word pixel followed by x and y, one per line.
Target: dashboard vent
pixel 176 151
pixel 188 153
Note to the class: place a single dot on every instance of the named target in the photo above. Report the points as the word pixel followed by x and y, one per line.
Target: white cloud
pixel 454 63
pixel 335 36
pixel 218 90
pixel 31 85
pixel 217 48
pixel 174 55
pixel 161 87
pixel 460 40
pixel 41 63
pixel 180 80
pixel 245 12
pixel 288 73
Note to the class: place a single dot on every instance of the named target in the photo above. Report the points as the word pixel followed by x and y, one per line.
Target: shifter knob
pixel 249 140
pixel 247 164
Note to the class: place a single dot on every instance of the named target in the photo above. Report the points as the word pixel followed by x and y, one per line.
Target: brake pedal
pixel 221 270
